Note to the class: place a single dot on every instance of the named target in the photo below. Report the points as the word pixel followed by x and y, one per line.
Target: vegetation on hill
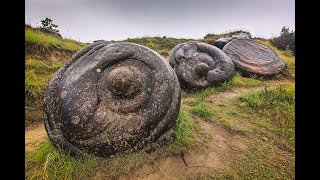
pixel 162 45
pixel 286 40
pixel 36 38
pixel 45 54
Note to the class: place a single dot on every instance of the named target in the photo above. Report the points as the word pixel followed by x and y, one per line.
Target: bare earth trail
pixel 34 135
pixel 214 157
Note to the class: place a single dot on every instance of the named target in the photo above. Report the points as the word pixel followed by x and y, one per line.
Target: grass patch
pixel 37 76
pixel 47 162
pixel 42 39
pixel 34 85
pixel 202 110
pixel 71 45
pixel 236 81
pixel 203 94
pixel 186 128
pixel 39 38
pixel 162 45
pixel 279 105
pixel 263 161
pixel 240 81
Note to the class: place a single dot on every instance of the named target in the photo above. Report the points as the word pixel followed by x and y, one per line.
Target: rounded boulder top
pixel 199 65
pixel 112 98
pixel 221 42
pixel 253 58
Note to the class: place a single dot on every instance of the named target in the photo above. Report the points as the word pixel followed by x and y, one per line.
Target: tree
pixel 284 31
pixel 47 23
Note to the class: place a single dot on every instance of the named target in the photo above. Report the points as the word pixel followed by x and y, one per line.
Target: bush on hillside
pixel 286 40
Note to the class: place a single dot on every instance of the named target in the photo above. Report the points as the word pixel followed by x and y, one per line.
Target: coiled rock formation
pixel 112 98
pixel 199 65
pixel 252 58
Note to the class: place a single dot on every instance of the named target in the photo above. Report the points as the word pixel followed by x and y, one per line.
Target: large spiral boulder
pixel 112 98
pixel 253 58
pixel 199 65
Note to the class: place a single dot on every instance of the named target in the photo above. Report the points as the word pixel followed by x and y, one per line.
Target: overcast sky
pixel 88 20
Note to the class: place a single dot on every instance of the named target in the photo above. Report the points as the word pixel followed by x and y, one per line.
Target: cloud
pixel 89 20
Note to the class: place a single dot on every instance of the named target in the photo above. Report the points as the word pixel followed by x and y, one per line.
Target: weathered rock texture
pixel 253 58
pixel 221 42
pixel 199 65
pixel 112 98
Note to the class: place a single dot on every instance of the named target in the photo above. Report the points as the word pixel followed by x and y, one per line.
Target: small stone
pixel 98 70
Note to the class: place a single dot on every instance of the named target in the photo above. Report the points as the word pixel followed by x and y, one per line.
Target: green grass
pixel 266 119
pixel 186 128
pixel 47 162
pixel 162 45
pixel 37 76
pixel 236 81
pixel 39 38
pixel 36 37
pixel 34 85
pixel 279 105
pixel 264 161
pixel 240 81
pixel 202 110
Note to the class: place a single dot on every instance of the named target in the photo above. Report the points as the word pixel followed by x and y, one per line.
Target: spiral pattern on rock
pixel 199 65
pixel 112 98
pixel 253 58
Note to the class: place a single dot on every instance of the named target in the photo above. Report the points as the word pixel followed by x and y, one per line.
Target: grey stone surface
pixel 199 65
pixel 253 58
pixel 221 42
pixel 112 98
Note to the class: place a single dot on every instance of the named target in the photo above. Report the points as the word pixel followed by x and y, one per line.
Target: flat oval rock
pixel 112 98
pixel 199 65
pixel 253 58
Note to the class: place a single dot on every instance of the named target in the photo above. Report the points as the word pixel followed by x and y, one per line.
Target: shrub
pixel 286 40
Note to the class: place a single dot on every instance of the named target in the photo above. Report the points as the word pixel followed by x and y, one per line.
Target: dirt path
pixel 214 157
pixel 34 135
